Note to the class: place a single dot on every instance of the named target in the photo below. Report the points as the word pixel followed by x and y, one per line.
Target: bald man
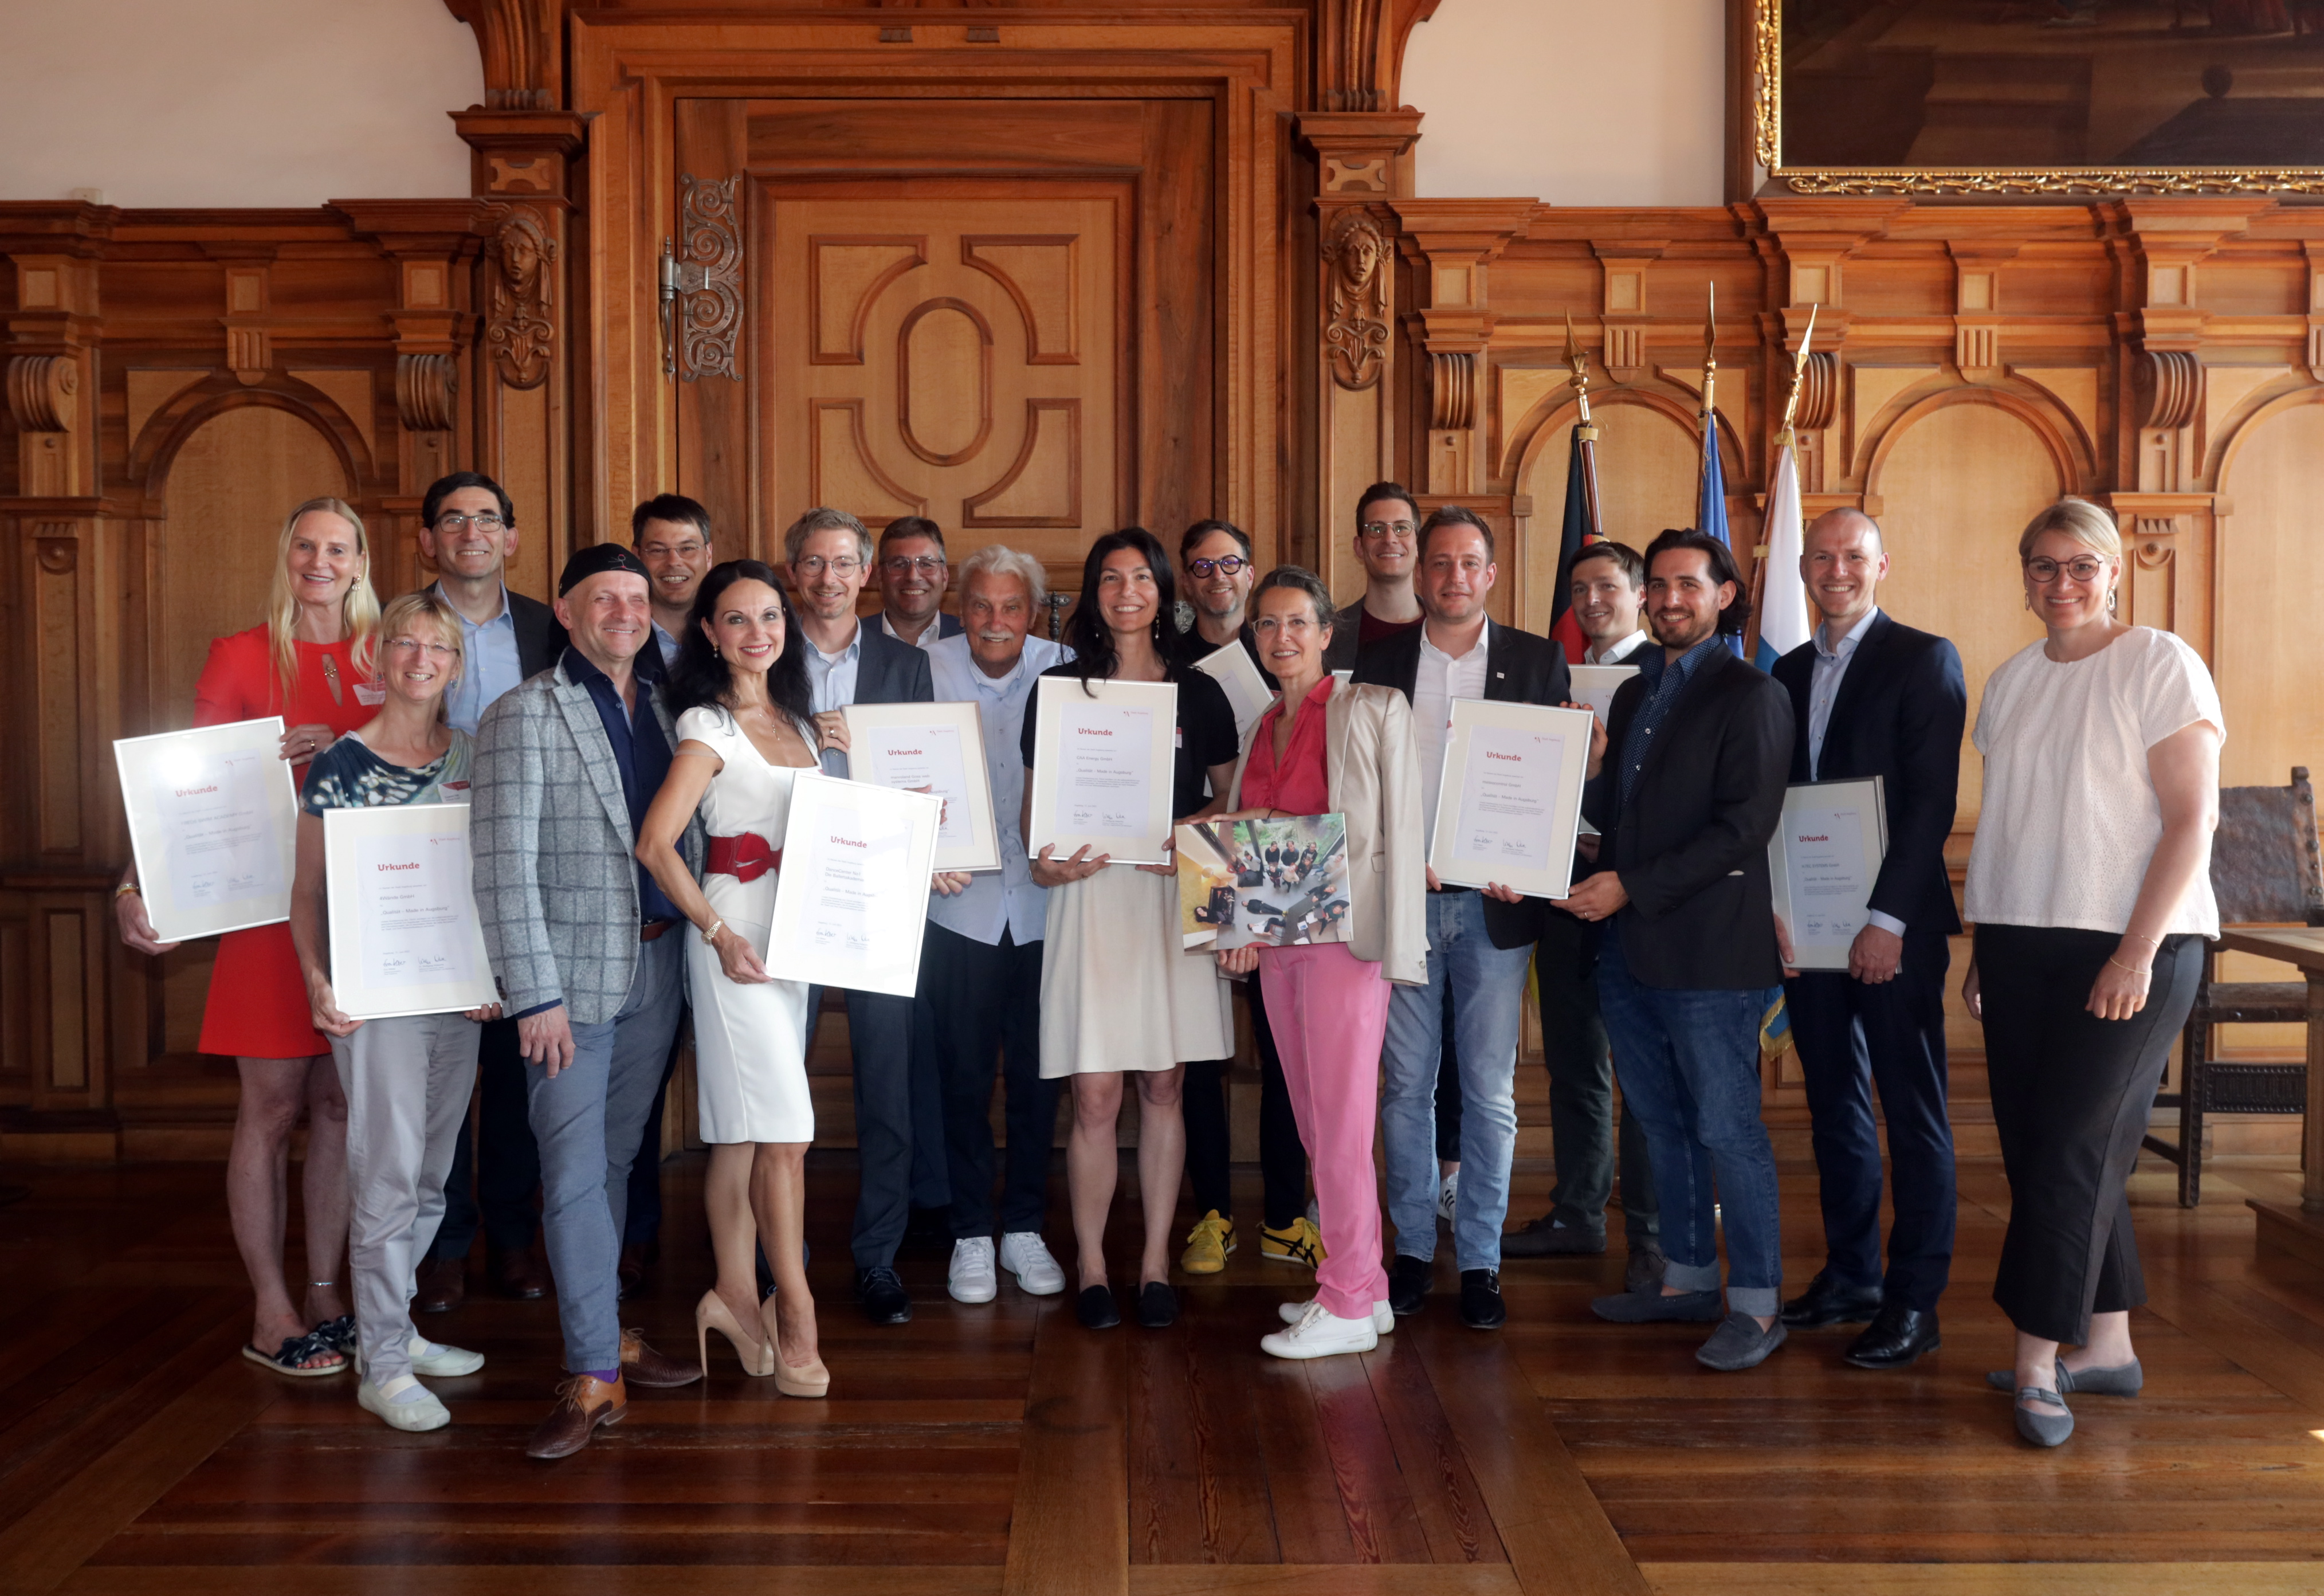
pixel 1872 698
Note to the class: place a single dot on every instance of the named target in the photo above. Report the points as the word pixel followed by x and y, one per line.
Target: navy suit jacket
pixel 1519 668
pixel 1899 715
pixel 888 671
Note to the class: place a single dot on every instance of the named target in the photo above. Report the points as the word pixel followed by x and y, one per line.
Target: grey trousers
pixel 588 1122
pixel 407 1081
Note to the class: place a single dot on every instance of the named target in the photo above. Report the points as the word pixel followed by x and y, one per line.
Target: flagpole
pixel 1786 438
pixel 1585 433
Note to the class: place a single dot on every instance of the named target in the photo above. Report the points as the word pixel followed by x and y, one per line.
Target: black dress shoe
pixel 1827 1302
pixel 1546 1238
pixel 1157 1306
pixel 1407 1285
pixel 1095 1308
pixel 1896 1335
pixel 1481 1307
pixel 885 1301
pixel 516 1274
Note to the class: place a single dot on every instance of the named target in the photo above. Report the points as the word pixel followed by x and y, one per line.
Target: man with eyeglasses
pixel 1388 545
pixel 898 1100
pixel 671 535
pixel 912 576
pixel 467 531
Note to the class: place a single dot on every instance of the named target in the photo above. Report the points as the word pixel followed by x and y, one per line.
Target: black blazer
pixel 889 671
pixel 1898 716
pixel 1690 846
pixel 1519 668
pixel 947 625
pixel 539 640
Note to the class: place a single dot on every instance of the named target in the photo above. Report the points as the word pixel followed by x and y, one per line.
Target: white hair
pixel 998 559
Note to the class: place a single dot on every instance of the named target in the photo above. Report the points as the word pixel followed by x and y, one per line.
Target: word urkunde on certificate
pixel 928 758
pixel 1824 849
pixel 215 807
pixel 415 911
pixel 1505 792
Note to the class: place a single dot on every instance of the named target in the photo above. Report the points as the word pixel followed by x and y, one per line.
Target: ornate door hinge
pixel 702 289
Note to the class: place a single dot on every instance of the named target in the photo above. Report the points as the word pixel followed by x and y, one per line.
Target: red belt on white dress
pixel 746 856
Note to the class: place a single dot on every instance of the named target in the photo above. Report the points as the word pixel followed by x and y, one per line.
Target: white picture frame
pixel 1116 802
pixel 213 825
pixel 1596 685
pixel 1510 803
pixel 931 748
pixel 403 943
pixel 1822 863
pixel 851 899
pixel 1247 691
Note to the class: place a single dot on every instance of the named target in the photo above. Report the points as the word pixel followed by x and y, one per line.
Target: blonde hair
pixel 427 606
pixel 2085 522
pixel 998 559
pixel 359 610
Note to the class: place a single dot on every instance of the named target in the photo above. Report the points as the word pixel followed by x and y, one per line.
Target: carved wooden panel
pixel 964 365
pixel 2269 656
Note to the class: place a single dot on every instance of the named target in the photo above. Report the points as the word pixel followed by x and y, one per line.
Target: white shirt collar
pixel 1484 637
pixel 1613 650
pixel 1847 645
pixel 854 642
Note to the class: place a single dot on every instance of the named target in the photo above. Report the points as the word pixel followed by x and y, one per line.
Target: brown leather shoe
pixel 642 1366
pixel 518 1275
pixel 636 1261
pixel 583 1403
pixel 443 1285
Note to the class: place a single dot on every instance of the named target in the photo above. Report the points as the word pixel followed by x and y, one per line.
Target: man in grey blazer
pixel 899 1105
pixel 588 955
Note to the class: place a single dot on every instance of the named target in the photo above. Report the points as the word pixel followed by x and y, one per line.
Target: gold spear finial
pixel 1784 435
pixel 1709 350
pixel 1580 363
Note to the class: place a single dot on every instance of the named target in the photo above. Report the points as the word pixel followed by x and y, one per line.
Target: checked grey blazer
pixel 556 881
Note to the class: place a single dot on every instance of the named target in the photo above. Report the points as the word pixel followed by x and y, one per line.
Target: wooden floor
pixel 1003 1448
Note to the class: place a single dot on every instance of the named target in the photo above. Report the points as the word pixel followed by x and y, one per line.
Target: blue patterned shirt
pixel 1660 699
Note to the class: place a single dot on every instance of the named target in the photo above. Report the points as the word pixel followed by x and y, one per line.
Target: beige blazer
pixel 1373 770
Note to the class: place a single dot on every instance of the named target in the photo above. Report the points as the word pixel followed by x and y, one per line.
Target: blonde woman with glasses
pixel 311 662
pixel 405 1079
pixel 2090 888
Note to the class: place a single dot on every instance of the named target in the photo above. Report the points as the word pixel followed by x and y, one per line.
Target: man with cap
pixel 588 955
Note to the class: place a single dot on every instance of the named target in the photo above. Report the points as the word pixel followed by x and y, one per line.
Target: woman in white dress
pixel 738 693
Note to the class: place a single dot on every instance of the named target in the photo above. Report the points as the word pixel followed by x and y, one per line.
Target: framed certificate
pixel 933 748
pixel 1233 669
pixel 1822 861
pixel 405 938
pixel 1511 804
pixel 851 903
pixel 1102 769
pixel 1595 685
pixel 213 821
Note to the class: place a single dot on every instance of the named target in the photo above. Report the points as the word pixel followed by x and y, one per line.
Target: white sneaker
pixel 1319 1333
pixel 432 1357
pixel 1025 1255
pixel 972 1279
pixel 1447 1197
pixel 1383 1318
pixel 404 1402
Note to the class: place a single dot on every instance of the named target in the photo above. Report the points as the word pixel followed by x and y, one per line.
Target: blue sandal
pixel 291 1360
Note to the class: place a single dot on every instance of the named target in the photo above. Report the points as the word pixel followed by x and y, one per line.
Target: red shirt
pixel 1299 785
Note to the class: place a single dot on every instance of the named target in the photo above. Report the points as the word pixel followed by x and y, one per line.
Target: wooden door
pixel 998 315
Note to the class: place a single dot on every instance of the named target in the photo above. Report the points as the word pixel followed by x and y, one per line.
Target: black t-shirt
pixel 1206 734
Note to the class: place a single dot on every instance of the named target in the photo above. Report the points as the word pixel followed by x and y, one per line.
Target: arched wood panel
pixel 228 489
pixel 1956 487
pixel 2269 659
pixel 1648 464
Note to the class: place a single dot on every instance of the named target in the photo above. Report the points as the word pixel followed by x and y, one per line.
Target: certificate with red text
pixel 932 748
pixel 212 815
pixel 1103 758
pixel 1511 804
pixel 405 938
pixel 1822 862
pixel 851 899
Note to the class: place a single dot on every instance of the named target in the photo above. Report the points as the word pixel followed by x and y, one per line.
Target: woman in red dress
pixel 311 663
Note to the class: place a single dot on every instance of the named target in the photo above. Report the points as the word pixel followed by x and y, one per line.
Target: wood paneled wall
pixel 1290 323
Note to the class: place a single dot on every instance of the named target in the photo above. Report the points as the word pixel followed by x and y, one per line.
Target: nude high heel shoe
pixel 713 1313
pixel 810 1379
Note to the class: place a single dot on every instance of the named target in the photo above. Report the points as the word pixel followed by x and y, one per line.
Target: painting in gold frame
pixel 2031 98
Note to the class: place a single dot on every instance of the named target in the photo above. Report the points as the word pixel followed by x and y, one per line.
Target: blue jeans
pixel 588 1122
pixel 1488 985
pixel 1689 1065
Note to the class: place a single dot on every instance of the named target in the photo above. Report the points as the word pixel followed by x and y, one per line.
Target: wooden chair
pixel 2264 871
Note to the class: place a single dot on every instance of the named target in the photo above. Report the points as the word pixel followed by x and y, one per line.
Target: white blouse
pixel 2069 817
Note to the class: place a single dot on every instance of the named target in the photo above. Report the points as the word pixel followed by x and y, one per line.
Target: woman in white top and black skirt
pixel 2090 889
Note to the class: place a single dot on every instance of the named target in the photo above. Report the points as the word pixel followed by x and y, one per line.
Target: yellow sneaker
pixel 1299 1243
pixel 1208 1244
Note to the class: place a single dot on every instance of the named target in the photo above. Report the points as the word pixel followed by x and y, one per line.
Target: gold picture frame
pixel 2077 21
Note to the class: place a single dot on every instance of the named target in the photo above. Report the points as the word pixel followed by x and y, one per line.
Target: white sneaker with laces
pixel 1447 1197
pixel 1025 1255
pixel 972 1279
pixel 404 1404
pixel 1383 1317
pixel 1320 1334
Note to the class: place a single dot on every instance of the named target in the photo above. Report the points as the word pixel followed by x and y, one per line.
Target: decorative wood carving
pixel 521 329
pixel 863 269
pixel 949 382
pixel 703 286
pixel 522 55
pixel 40 390
pixel 1359 50
pixel 1819 391
pixel 1453 390
pixel 425 386
pixel 2171 382
pixel 1356 325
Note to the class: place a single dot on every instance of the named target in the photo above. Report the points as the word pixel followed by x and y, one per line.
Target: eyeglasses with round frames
pixel 1226 565
pixel 452 521
pixel 812 564
pixel 2084 567
pixel 413 645
pixel 904 565
pixel 1374 530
